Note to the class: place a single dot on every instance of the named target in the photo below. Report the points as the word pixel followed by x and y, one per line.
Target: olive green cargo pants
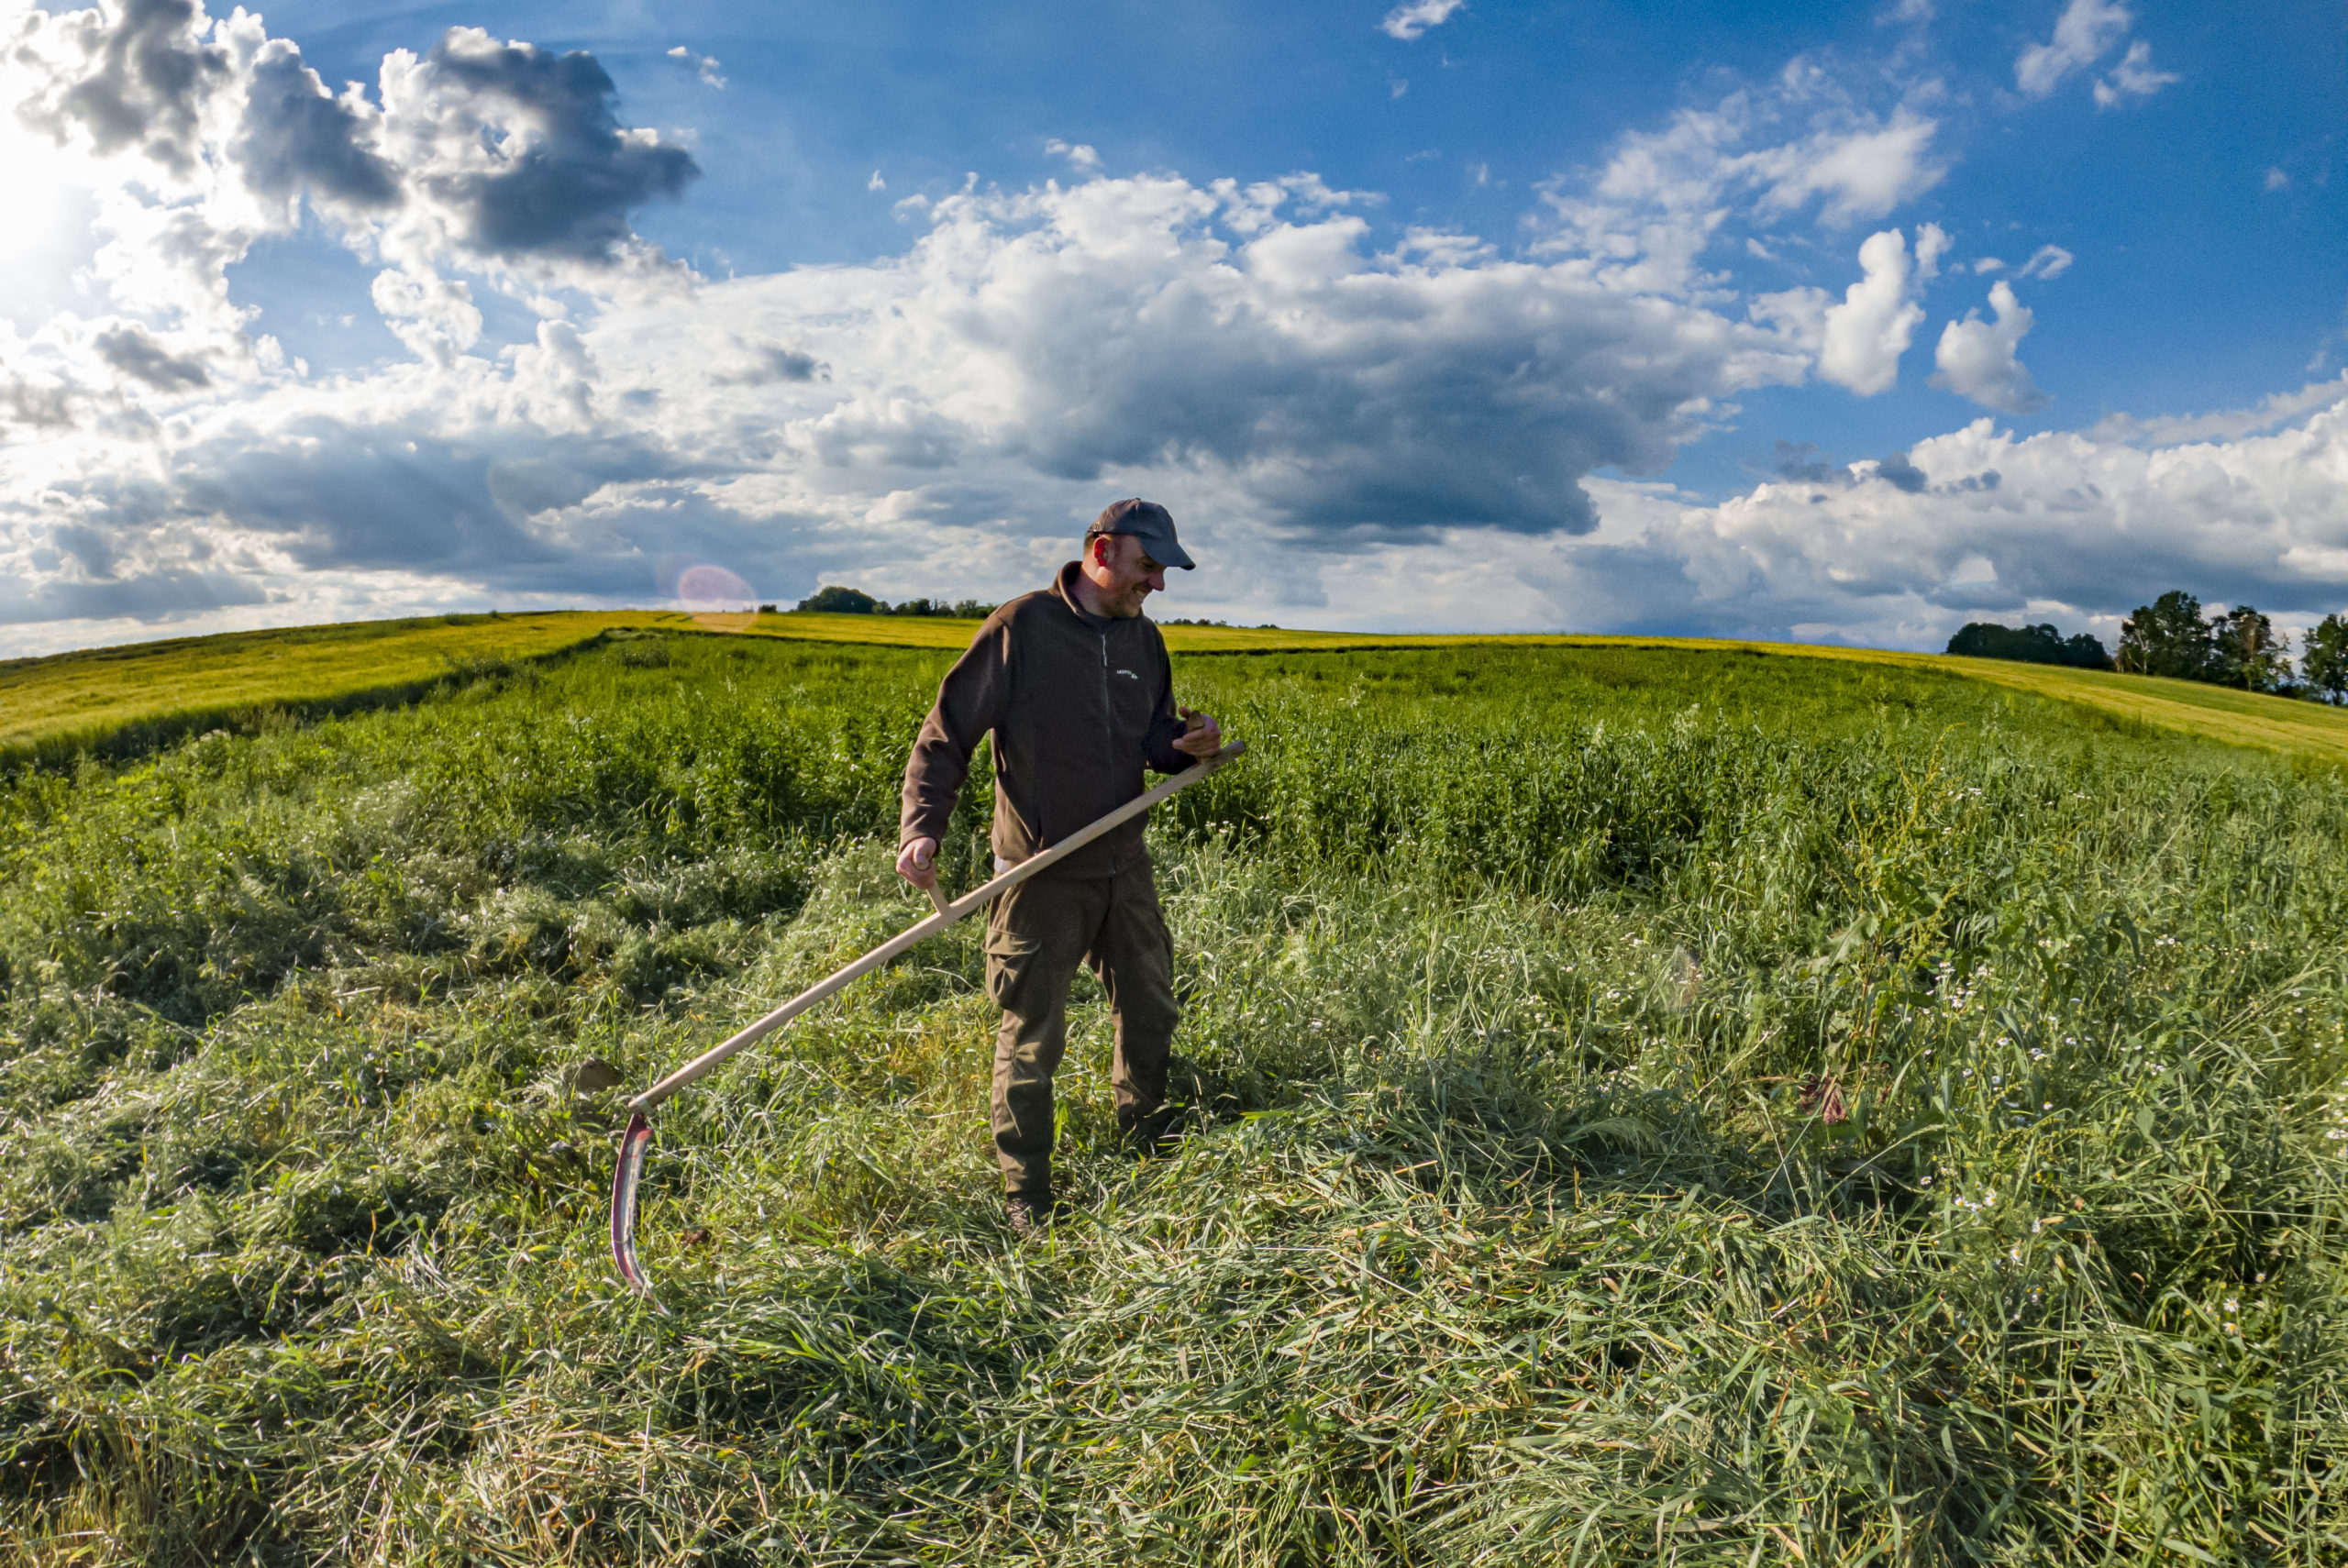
pixel 1036 934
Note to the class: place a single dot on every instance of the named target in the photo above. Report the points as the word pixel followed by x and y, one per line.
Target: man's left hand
pixel 1202 739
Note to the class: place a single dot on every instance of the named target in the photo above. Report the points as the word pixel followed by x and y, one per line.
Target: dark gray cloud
pixel 345 497
pixel 298 137
pixel 565 187
pixel 503 152
pixel 93 549
pixel 36 407
pixel 1801 462
pixel 531 482
pixel 160 595
pixel 1897 471
pixel 340 498
pixel 343 500
pixel 1358 408
pixel 146 83
pixel 130 350
pixel 1989 596
pixel 774 363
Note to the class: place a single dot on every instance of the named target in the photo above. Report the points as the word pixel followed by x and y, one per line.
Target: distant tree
pixel 2248 652
pixel 966 609
pixel 2324 663
pixel 766 609
pixel 2168 637
pixel 2029 645
pixel 2085 652
pixel 840 602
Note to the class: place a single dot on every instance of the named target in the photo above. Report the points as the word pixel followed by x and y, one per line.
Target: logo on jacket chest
pixel 1129 674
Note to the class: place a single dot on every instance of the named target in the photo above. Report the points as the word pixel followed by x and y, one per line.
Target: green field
pixel 127 698
pixel 1647 1103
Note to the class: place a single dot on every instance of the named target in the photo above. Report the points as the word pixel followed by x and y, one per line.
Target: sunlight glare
pixel 44 227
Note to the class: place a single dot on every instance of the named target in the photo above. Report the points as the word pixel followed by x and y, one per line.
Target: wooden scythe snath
pixel 639 1136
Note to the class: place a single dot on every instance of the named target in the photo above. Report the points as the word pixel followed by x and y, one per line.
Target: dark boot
pixel 1032 1213
pixel 1149 1133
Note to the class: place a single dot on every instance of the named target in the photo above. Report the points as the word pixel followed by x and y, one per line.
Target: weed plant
pixel 1645 1106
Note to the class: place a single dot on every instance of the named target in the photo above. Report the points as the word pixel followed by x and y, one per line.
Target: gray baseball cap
pixel 1149 522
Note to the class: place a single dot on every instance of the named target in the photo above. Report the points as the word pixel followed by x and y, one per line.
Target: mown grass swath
pixel 1516 1222
pixel 123 700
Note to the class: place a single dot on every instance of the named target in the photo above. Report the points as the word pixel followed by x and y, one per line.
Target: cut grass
pixel 1510 1226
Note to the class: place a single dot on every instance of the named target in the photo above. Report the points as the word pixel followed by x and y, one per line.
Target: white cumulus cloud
pixel 1769 151
pixel 2068 524
pixel 1867 333
pixel 1975 358
pixel 2048 261
pixel 703 65
pixel 2134 77
pixel 2275 409
pixel 2083 35
pixel 1901 551
pixel 1860 171
pixel 1412 18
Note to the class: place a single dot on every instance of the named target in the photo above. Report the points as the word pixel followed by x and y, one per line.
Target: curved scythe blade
pixel 630 1170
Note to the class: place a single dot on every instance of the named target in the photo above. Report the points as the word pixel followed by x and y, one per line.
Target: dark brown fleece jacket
pixel 1079 705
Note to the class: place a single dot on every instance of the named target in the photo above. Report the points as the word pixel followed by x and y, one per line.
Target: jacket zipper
pixel 1108 707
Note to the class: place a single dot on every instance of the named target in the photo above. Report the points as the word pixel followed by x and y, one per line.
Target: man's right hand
pixel 917 863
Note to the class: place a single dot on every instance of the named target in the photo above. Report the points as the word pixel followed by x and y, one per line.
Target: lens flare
pixel 718 599
pixel 705 588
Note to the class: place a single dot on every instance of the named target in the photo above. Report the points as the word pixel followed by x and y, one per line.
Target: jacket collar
pixel 1064 590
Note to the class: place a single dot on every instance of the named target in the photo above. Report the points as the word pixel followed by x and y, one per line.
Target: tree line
pixel 2029 644
pixel 2234 648
pixel 833 600
pixel 2171 636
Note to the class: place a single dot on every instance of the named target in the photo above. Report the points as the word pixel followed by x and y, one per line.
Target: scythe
pixel 639 1136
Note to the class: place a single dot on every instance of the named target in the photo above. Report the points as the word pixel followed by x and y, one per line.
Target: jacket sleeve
pixel 970 700
pixel 1166 726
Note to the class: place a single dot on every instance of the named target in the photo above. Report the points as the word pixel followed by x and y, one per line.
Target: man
pixel 1074 683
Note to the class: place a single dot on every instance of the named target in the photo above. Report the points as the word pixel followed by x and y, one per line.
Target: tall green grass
pixel 1645 1106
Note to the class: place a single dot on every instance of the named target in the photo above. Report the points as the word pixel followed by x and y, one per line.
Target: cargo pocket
pixel 1011 959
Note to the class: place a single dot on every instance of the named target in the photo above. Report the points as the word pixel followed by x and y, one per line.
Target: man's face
pixel 1123 572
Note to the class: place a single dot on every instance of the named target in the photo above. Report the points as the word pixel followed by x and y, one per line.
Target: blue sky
pixel 1836 323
